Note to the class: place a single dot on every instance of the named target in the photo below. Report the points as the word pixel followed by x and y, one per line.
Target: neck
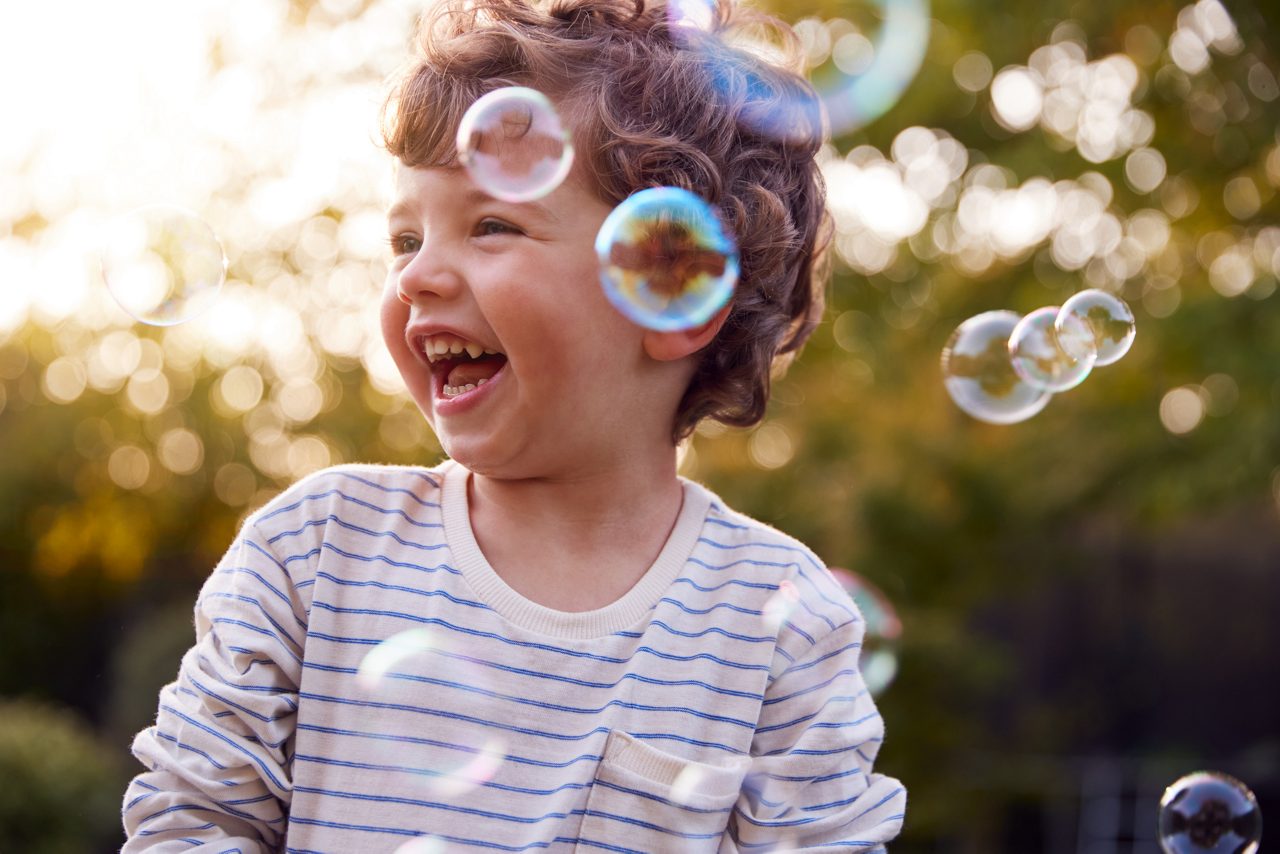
pixel 601 509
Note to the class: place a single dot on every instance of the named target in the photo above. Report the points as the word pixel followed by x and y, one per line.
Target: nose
pixel 430 272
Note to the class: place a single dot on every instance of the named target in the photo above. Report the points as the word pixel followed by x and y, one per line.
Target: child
pixel 602 654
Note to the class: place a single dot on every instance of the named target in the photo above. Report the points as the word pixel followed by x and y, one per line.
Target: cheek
pixel 394 317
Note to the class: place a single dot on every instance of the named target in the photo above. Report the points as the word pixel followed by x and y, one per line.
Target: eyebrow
pixel 475 197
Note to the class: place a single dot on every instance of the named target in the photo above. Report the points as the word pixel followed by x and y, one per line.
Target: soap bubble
pixel 422 845
pixel 898 49
pixel 513 145
pixel 873 63
pixel 879 659
pixel 1042 355
pixel 162 264
pixel 979 375
pixel 1209 811
pixel 665 261
pixel 1109 320
pixel 694 14
pixel 780 605
pixel 397 674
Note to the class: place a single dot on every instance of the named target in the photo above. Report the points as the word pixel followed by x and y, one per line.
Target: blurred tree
pixel 61 792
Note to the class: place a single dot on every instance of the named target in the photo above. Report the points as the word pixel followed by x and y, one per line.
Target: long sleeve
pixel 220 752
pixel 811 785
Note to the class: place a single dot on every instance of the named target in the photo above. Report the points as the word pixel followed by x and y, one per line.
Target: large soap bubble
pixel 665 260
pixel 899 47
pixel 1209 812
pixel 162 264
pixel 513 144
pixel 1108 319
pixel 396 674
pixel 979 375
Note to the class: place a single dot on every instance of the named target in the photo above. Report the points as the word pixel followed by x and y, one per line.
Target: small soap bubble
pixel 979 375
pixel 879 660
pixel 687 784
pixel 513 144
pixel 162 264
pixel 1108 319
pixel 665 260
pixel 1209 811
pixel 422 845
pixel 1042 356
pixel 397 674
pixel 780 605
pixel 694 14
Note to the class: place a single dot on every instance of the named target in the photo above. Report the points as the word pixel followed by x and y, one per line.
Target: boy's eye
pixel 495 226
pixel 404 244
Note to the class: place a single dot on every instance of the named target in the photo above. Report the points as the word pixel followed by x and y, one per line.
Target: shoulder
pixel 799 583
pixel 356 491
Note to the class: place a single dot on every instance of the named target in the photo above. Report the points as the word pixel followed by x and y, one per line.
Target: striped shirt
pixel 363 680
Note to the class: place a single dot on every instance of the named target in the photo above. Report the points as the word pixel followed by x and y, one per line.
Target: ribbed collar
pixel 621 614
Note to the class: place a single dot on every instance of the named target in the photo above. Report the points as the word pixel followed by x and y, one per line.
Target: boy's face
pixel 520 279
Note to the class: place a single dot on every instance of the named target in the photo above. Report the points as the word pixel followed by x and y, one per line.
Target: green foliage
pixel 61 792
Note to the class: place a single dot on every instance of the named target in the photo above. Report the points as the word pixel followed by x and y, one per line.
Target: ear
pixel 669 346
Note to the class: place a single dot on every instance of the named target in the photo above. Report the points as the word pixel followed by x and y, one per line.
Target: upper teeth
pixel 442 348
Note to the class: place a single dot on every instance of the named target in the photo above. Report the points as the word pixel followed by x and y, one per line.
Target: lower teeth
pixel 454 391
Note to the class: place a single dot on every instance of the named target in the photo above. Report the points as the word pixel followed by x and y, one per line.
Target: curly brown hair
pixel 657 103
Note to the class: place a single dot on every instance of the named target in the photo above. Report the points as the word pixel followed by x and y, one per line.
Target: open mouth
pixel 462 368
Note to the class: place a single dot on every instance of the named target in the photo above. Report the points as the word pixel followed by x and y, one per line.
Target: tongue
pixel 472 371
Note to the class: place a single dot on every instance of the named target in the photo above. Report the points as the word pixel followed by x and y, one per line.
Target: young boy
pixel 601 654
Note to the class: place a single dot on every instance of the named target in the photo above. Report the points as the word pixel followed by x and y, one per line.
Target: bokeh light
pixel 513 144
pixel 1182 409
pixel 665 260
pixel 1208 812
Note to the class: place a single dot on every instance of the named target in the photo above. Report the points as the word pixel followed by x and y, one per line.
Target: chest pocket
pixel 647 800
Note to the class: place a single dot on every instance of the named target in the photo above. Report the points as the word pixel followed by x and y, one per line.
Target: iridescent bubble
pixel 162 264
pixel 872 64
pixel 979 375
pixel 879 659
pixel 398 673
pixel 1209 811
pixel 1041 355
pixel 665 260
pixel 899 46
pixel 1109 321
pixel 513 144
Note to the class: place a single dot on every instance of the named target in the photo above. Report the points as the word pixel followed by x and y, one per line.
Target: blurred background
pixel 1088 598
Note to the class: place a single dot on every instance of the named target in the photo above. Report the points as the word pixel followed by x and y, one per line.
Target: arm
pixel 220 752
pixel 811 786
